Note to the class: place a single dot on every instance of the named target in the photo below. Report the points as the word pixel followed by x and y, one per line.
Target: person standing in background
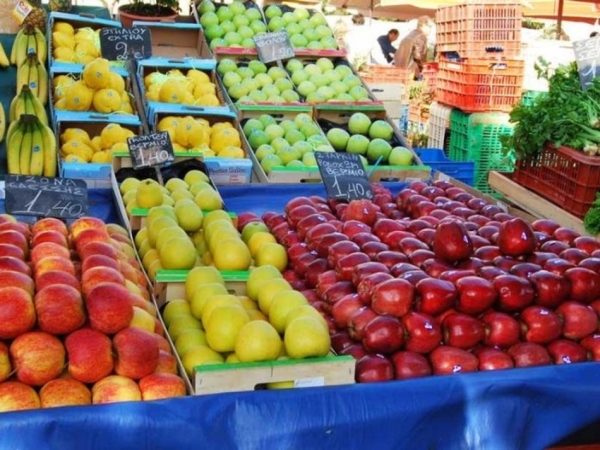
pixel 412 51
pixel 385 44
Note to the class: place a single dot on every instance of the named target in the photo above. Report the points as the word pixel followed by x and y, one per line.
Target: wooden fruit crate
pixel 170 284
pixel 310 372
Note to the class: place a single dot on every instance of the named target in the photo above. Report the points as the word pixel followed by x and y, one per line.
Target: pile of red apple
pixel 77 324
pixel 438 281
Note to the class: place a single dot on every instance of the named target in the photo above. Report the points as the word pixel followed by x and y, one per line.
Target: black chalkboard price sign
pixel 63 198
pixel 122 44
pixel 587 55
pixel 150 150
pixel 273 46
pixel 343 175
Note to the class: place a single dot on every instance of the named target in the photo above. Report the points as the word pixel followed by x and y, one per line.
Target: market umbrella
pixel 571 10
pixel 394 9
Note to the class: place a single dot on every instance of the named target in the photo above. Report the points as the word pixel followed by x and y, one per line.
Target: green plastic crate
pixel 475 137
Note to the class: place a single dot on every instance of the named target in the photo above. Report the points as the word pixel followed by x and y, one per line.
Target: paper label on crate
pixel 273 46
pixel 64 198
pixel 122 44
pixel 502 206
pixel 21 11
pixel 309 382
pixel 443 177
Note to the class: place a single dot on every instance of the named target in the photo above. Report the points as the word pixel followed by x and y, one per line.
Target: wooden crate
pixel 310 372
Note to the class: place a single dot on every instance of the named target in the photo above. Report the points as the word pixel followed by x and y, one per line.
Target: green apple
pixel 290 96
pixel 251 228
pixel 295 164
pixel 245 32
pixel 228 26
pixel 288 17
pixel 358 144
pixel 257 138
pixel 294 64
pixel 299 76
pixel 306 88
pixel 274 131
pixel 224 13
pixel 359 93
pixel 208 19
pixel 359 123
pixel 258 26
pixel 279 143
pixel 276 24
pixel 378 148
pixel 303 147
pixel 312 69
pixel 266 119
pixel 237 91
pixel 263 151
pixel 309 159
pixel 288 125
pixel 251 125
pixel 283 84
pixel 319 79
pixel 253 14
pixel 214 32
pixel 226 65
pixel 381 129
pixel 240 20
pixel 271 90
pixel 288 154
pixel 275 73
pixel 217 42
pixel 273 11
pixel 311 129
pixel 327 92
pixel 400 156
pixel 338 138
pixel 237 8
pixel 258 96
pixel 315 97
pixel 302 119
pixel 231 79
pixel 232 38
pixel 293 136
pixel 270 162
pixel 257 67
pixel 206 6
pixel 263 79
pixel 323 31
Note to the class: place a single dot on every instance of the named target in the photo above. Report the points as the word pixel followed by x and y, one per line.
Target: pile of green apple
pixel 285 143
pixel 322 81
pixel 373 140
pixel 254 82
pixel 231 25
pixel 304 30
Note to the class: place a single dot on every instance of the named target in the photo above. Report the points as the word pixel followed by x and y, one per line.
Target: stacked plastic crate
pixel 481 77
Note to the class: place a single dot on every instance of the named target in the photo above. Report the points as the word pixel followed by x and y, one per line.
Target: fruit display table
pixel 523 408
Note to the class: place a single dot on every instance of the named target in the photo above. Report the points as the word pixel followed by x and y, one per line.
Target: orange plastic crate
pixel 477 30
pixel 480 85
pixel 387 74
pixel 563 176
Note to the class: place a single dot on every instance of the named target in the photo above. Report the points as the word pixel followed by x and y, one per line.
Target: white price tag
pixel 21 11
pixel 309 382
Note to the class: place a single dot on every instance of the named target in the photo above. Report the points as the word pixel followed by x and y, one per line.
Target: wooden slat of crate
pixel 536 205
pixel 328 371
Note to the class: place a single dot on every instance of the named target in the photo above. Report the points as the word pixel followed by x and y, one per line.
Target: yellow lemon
pixel 96 74
pixel 96 144
pixel 64 27
pixel 60 39
pixel 119 147
pixel 77 148
pixel 224 137
pixel 116 82
pixel 207 100
pixel 204 89
pixel 198 76
pixel 78 97
pixel 172 91
pixel 104 157
pixel 106 101
pixel 221 125
pixel 232 152
pixel 75 134
pixel 114 133
pixel 64 54
pixel 74 159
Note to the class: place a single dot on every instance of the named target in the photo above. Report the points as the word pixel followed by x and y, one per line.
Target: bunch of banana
pixel 31 147
pixel 33 74
pixel 28 40
pixel 4 62
pixel 27 103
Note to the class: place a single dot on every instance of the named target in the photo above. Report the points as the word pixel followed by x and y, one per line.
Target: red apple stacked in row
pixel 83 330
pixel 439 281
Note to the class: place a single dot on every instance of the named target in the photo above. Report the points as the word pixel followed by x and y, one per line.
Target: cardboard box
pixel 93 124
pixel 177 41
pixel 77 21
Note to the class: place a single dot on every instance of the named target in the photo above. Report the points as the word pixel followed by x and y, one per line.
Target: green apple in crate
pixel 254 82
pixel 369 139
pixel 285 143
pixel 231 25
pixel 321 81
pixel 304 30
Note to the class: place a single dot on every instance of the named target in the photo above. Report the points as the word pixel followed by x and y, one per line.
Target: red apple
pixel 353 227
pixel 109 307
pixel 555 247
pixel 529 354
pixel 545 226
pixel 272 219
pixel 435 267
pixel 297 283
pixel 340 340
pixel 540 325
pixel 413 276
pixel 462 331
pixel 587 243
pixel 340 249
pixel 423 333
pixel 302 262
pixel 475 295
pixel 491 358
pixel 17 314
pixel 490 272
pixel 346 264
pixel 398 269
pixel 579 320
pixel 418 257
pixel 372 249
pixel 313 270
pixel 472 263
pixel 37 357
pixel 564 351
pixel 374 369
pixel 453 275
pixel 362 210
pixel 337 291
pixel 366 287
pixel 585 284
pixel 447 360
pixel 344 308
pixel 90 355
pixel 427 235
pixel 516 238
pixel 416 225
pixel 14 264
pixel 409 245
pixel 363 270
pixel 551 289
pixel 490 210
pixel 410 365
pixel 357 351
pixel 59 309
pixel 383 227
pixel 317 232
pixel 573 255
pixel 393 297
pixel 358 320
pixel 435 296
pixel 308 222
pixel 390 258
pixel 383 334
pixel 362 238
pixel 592 345
pixel 591 263
pixel 514 293
pixel 137 353
pixel 295 202
pixel 565 235
pixel 501 330
pixel 487 253
pixel 324 281
pixel 327 241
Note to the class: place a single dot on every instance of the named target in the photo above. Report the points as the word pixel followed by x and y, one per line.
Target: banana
pixel 20 106
pixel 2 122
pixel 50 151
pixel 36 166
pixel 23 74
pixel 25 151
pixel 12 112
pixel 28 102
pixel 4 62
pixel 22 48
pixel 15 48
pixel 42 46
pixel 16 133
pixel 31 43
pixel 38 108
pixel 42 82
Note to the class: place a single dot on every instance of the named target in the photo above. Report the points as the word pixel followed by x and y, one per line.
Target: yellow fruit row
pixel 74 45
pixel 193 88
pixel 196 134
pixel 98 89
pixel 77 146
pixel 270 322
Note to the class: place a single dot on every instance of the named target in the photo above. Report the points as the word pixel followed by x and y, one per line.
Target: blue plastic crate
pixel 437 160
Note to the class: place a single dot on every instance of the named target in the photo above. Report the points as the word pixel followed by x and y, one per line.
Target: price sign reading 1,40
pixel 150 150
pixel 343 175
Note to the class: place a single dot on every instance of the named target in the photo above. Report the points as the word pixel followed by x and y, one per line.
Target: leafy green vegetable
pixel 591 221
pixel 565 115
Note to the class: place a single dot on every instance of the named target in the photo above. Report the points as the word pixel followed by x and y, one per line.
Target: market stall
pixel 245 252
